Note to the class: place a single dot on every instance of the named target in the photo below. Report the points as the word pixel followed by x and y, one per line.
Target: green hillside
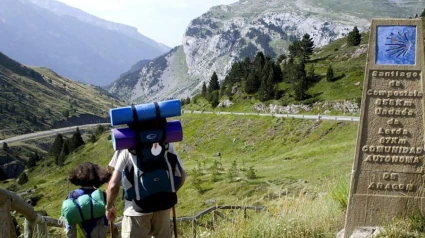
pixel 347 62
pixel 35 99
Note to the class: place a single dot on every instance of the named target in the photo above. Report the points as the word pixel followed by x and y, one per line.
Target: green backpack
pixel 85 207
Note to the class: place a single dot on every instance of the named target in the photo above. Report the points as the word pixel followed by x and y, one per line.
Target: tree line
pixel 260 78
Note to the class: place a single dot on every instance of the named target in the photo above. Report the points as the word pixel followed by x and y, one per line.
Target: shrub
pixel 196 180
pixel 23 178
pixel 34 199
pixel 92 138
pixel 354 38
pixel 330 74
pixel 250 174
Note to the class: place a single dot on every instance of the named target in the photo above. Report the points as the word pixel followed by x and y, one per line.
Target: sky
pixel 163 21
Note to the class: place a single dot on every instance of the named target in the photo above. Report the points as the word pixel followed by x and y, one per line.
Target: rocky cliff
pixel 225 34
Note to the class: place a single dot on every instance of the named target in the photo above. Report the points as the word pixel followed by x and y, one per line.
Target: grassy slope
pixel 348 66
pixel 41 93
pixel 288 156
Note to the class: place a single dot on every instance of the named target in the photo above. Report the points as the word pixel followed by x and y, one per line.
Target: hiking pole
pixel 174 222
pixel 111 229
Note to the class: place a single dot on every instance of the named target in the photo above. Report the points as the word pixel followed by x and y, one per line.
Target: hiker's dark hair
pixel 89 174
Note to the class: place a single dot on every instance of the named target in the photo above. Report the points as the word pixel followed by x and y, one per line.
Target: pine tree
pixel 233 171
pixel 236 74
pixel 295 75
pixel 306 46
pixel 214 171
pixel 99 130
pixel 423 13
pixel 330 74
pixel 246 65
pixel 225 86
pixel 214 84
pixel 354 38
pixel 300 85
pixel 5 147
pixel 294 49
pixel 32 161
pixel 76 140
pixel 277 73
pixel 259 62
pixel 311 76
pixel 196 180
pixel 57 145
pixel 271 79
pixel 60 159
pixel 214 99
pixel 204 90
pixel 3 175
pixel 281 58
pixel 265 92
pixel 262 91
pixel 252 84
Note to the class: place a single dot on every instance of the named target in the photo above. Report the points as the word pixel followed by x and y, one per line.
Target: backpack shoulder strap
pixel 172 159
pixel 79 191
pixel 73 193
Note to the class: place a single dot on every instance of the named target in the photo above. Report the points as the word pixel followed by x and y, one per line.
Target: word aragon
pixel 391 186
pixel 394 159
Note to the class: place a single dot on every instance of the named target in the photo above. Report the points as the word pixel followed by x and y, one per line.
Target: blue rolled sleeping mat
pixel 126 138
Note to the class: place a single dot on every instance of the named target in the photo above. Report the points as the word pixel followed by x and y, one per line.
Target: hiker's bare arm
pixel 113 188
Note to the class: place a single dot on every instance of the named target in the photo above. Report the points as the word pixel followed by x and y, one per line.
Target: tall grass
pixel 303 215
pixel 341 191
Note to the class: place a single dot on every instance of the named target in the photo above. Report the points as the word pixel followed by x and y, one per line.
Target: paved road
pixel 310 117
pixel 42 134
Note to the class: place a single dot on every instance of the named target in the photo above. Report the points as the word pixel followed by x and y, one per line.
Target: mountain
pixel 73 43
pixel 64 10
pixel 226 34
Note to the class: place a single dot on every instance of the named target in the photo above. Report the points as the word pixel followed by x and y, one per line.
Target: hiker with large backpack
pixel 84 208
pixel 148 168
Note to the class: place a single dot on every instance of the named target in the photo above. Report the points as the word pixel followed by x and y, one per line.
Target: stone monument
pixel 388 172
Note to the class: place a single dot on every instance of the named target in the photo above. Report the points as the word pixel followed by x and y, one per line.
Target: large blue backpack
pixel 151 180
